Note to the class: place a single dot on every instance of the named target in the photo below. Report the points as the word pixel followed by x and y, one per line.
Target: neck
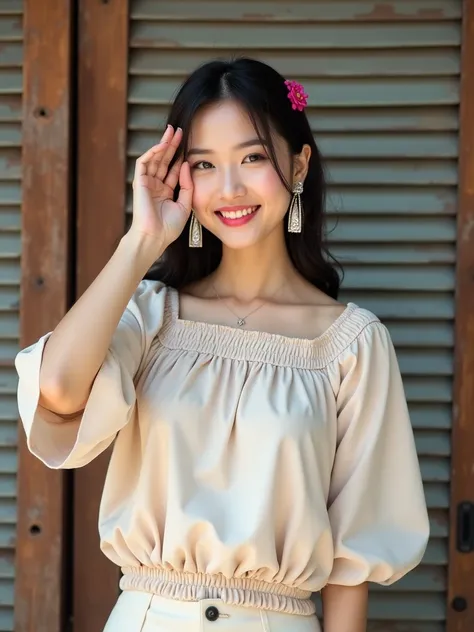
pixel 257 271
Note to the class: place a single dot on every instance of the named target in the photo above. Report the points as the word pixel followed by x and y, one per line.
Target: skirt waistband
pixel 235 591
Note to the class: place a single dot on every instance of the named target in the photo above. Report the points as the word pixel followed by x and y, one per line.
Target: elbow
pixel 57 399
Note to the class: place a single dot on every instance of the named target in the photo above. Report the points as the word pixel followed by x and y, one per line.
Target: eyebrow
pixel 248 143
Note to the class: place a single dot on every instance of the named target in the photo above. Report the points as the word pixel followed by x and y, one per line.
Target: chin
pixel 240 243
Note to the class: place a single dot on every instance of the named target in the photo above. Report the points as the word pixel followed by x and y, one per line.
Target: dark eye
pixel 254 158
pixel 203 164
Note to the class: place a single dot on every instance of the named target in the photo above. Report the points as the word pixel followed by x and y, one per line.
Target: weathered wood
pixel 102 125
pixel 40 581
pixel 295 12
pixel 461 565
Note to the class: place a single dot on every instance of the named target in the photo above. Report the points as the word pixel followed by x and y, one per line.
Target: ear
pixel 301 164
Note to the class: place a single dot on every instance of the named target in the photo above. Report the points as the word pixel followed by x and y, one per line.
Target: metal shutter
pixel 10 198
pixel 383 85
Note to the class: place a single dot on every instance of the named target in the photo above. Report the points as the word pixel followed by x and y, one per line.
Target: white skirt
pixel 144 612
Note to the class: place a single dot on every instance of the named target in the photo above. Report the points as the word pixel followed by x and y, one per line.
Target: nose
pixel 232 186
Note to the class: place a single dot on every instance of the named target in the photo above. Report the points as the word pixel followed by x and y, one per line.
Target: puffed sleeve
pixel 73 441
pixel 376 505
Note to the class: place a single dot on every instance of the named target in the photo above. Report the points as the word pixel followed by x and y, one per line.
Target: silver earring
pixel 295 217
pixel 195 232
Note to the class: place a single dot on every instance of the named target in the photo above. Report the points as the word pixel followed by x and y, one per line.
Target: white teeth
pixel 238 214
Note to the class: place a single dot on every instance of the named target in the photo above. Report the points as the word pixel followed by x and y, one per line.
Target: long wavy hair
pixel 261 91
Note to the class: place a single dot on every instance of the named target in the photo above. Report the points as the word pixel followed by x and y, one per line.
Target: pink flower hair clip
pixel 297 95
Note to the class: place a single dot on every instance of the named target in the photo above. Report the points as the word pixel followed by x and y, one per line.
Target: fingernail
pixel 179 129
pixel 168 127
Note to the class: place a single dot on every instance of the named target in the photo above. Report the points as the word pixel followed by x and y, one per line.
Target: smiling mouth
pixel 239 213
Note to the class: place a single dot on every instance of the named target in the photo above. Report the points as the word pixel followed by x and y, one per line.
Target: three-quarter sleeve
pixel 74 440
pixel 376 504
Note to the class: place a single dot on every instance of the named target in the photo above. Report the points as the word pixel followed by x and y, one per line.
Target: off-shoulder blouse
pixel 246 466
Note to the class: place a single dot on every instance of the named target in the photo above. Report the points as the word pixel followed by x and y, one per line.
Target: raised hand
pixel 155 214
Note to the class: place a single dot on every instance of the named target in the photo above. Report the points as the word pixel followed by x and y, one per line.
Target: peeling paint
pixel 449 205
pixel 455 410
pixel 34 513
pixel 386 11
pixel 467 231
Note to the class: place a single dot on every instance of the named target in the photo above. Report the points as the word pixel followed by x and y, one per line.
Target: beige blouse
pixel 247 466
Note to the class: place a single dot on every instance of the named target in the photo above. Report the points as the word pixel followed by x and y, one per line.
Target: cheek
pixel 269 183
pixel 202 192
pixel 271 189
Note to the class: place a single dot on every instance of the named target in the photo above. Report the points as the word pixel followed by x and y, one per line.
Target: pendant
pixel 241 322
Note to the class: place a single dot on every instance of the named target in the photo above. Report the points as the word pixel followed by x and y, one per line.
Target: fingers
pixel 185 198
pixel 164 162
pixel 155 162
pixel 154 153
pixel 172 178
pixel 167 134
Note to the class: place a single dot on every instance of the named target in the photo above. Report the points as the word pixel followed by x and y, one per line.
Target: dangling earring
pixel 295 217
pixel 195 232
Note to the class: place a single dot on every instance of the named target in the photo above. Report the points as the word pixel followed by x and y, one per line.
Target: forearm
pixel 78 345
pixel 345 608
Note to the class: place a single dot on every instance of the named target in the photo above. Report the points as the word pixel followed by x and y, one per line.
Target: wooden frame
pixel 101 178
pixel 461 564
pixel 41 534
pixel 102 125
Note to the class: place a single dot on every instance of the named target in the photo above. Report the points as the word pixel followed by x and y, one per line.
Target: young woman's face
pixel 238 194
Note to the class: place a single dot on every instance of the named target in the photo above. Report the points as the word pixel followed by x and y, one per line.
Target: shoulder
pixel 149 290
pixel 362 318
pixel 150 287
pixel 359 349
pixel 148 303
pixel 358 331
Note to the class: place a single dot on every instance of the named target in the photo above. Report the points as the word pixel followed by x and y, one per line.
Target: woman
pixel 262 446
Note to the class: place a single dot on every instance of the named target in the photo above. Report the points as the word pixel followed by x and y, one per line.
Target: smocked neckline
pixel 175 298
pixel 260 346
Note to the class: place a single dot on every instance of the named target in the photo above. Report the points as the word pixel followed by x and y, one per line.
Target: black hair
pixel 262 92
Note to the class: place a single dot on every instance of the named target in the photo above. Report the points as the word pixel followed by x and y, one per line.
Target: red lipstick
pixel 236 221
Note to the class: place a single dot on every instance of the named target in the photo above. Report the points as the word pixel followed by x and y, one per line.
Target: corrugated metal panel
pixel 11 34
pixel 383 82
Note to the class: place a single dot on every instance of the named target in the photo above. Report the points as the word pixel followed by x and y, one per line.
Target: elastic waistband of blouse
pixel 234 591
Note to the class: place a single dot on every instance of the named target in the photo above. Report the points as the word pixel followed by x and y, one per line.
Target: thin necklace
pixel 242 320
